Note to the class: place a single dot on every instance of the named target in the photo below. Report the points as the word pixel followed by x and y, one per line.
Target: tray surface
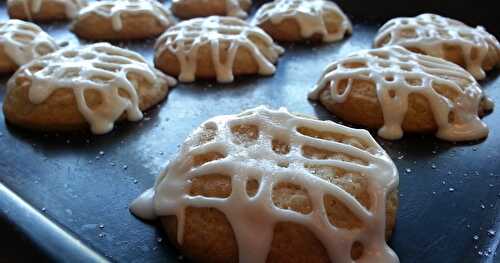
pixel 449 193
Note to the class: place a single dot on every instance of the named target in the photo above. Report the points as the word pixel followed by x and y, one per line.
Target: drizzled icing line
pixel 100 67
pixel 115 9
pixel 432 34
pixel 71 6
pixel 24 41
pixel 170 195
pixel 185 39
pixel 309 14
pixel 233 7
pixel 395 69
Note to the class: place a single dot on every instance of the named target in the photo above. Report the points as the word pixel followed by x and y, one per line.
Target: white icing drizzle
pixel 72 6
pixel 233 7
pixel 393 69
pixel 170 195
pixel 185 39
pixel 100 67
pixel 115 9
pixel 432 34
pixel 309 14
pixel 23 41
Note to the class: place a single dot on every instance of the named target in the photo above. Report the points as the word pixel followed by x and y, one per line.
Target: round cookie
pixel 94 85
pixel 472 48
pixel 21 42
pixel 186 9
pixel 299 20
pixel 122 20
pixel 397 90
pixel 215 47
pixel 44 10
pixel 270 186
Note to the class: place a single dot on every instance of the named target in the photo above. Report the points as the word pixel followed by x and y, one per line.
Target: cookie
pixel 397 90
pixel 268 185
pixel 186 9
pixel 94 85
pixel 215 47
pixel 122 20
pixel 21 42
pixel 299 20
pixel 44 10
pixel 472 48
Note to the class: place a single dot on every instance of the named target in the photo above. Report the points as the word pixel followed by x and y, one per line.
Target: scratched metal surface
pixel 449 203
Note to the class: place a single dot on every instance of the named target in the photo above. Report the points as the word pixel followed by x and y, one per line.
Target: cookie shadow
pixel 491 78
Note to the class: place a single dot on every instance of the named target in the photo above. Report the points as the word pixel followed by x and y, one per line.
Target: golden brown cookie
pixel 122 20
pixel 472 48
pixel 186 9
pixel 299 20
pixel 270 186
pixel 93 85
pixel 44 10
pixel 21 42
pixel 397 90
pixel 215 47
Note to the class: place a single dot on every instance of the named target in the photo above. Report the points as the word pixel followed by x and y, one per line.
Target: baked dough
pixel 215 47
pixel 397 90
pixel 186 9
pixel 21 42
pixel 94 85
pixel 122 20
pixel 270 186
pixel 472 48
pixel 44 10
pixel 299 20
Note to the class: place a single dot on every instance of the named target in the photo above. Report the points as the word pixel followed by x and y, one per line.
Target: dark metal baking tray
pixel 66 196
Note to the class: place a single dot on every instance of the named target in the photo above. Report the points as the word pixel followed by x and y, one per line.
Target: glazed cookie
pixel 92 85
pixel 397 90
pixel 270 186
pixel 21 42
pixel 186 9
pixel 122 20
pixel 215 47
pixel 472 48
pixel 299 20
pixel 44 10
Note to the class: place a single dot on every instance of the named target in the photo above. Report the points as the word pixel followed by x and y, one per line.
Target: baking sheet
pixel 449 203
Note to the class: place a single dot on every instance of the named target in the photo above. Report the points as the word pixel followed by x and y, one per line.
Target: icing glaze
pixel 115 9
pixel 259 161
pixel 100 67
pixel 393 69
pixel 71 6
pixel 433 35
pixel 233 7
pixel 185 39
pixel 309 14
pixel 23 41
